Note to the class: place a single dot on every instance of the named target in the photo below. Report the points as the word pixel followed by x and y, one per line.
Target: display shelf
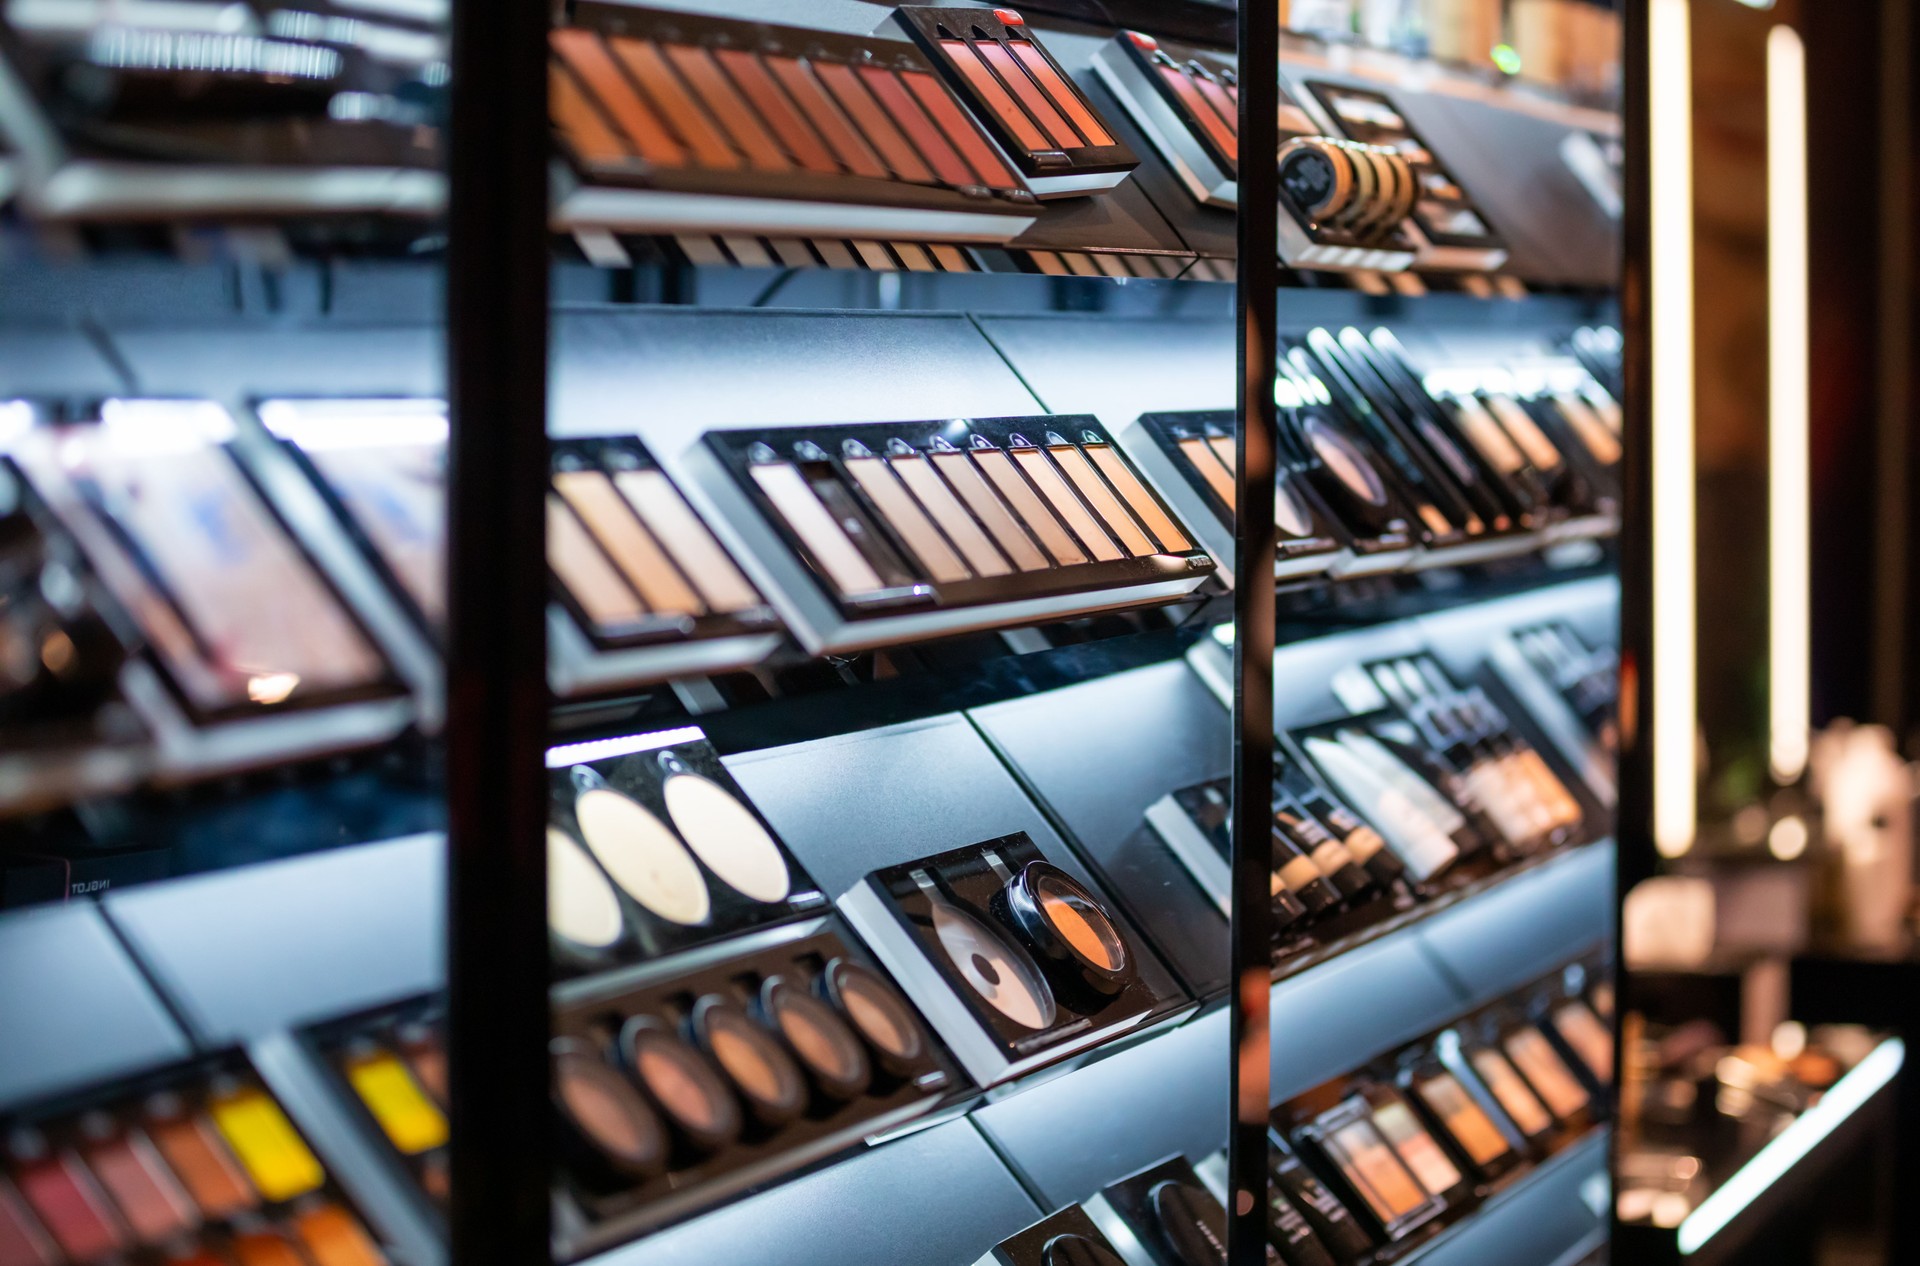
pixel 78 1008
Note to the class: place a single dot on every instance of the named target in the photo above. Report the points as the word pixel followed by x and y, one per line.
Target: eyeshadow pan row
pixel 879 514
pixel 211 1174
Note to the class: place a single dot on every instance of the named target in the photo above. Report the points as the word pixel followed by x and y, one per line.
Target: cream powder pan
pixel 645 858
pixel 727 837
pixel 581 906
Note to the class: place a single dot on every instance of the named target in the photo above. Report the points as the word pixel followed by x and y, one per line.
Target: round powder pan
pixel 1071 929
pixel 680 1082
pixel 611 1136
pixel 877 1012
pixel 641 854
pixel 823 1043
pixel 764 1075
pixel 585 922
pixel 725 834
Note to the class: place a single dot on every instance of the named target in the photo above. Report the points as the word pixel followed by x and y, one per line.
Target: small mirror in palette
pixel 1046 126
pixel 1017 962
pixel 652 848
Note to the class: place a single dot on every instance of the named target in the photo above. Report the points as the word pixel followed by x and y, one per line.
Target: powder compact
pixel 201 1160
pixel 1170 1213
pixel 1480 1141
pixel 652 848
pixel 1191 457
pixel 878 532
pixel 1449 228
pixel 390 1067
pixel 1512 1066
pixel 680 1083
pixel 643 588
pixel 1037 116
pixel 1186 100
pixel 242 628
pixel 1017 961
pixel 1066 1238
pixel 1343 206
pixel 677 121
pixel 112 106
pixel 1380 1181
pixel 1320 450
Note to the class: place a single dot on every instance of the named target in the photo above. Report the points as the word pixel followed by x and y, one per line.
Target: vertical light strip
pixel 1789 457
pixel 1675 684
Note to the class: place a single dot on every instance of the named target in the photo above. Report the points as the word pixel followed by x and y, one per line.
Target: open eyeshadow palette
pixel 1016 961
pixel 1066 1238
pixel 653 849
pixel 1169 1213
pixel 875 532
pixel 242 630
pixel 1042 122
pixel 680 121
pixel 390 1068
pixel 1320 449
pixel 1508 1061
pixel 151 111
pixel 1477 1136
pixel 194 1165
pixel 680 1084
pixel 1191 458
pixel 1452 233
pixel 645 590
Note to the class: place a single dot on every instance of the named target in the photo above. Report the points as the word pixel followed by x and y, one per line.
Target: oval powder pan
pixel 681 1083
pixel 1070 927
pixel 765 1076
pixel 643 856
pixel 725 834
pixel 583 913
pixel 615 1135
pixel 1002 973
pixel 878 1013
pixel 818 1037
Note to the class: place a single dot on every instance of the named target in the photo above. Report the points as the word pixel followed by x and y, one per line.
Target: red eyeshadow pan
pixel 961 129
pixel 1183 88
pixel 873 121
pixel 22 1242
pixel 1061 91
pixel 1058 130
pixel 801 84
pixel 947 163
pixel 149 1199
pixel 650 69
pixel 994 94
pixel 1217 97
pixel 716 91
pixel 760 88
pixel 590 136
pixel 69 1207
pixel 588 58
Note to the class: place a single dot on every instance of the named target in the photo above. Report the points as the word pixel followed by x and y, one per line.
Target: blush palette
pixel 876 532
pixel 1042 122
pixel 1186 100
pixel 673 121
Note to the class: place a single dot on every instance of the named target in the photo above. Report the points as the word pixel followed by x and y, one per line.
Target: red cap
pixel 1144 41
pixel 1009 17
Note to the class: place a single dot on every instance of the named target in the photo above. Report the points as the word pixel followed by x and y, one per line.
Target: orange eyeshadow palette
pixel 1017 962
pixel 1451 230
pixel 653 849
pixel 1039 118
pixel 643 588
pixel 1367 1145
pixel 880 531
pixel 674 120
pixel 1186 100
pixel 678 1087
pixel 193 1164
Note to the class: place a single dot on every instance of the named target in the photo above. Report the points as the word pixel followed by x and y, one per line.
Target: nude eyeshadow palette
pixel 1452 231
pixel 1017 962
pixel 878 531
pixel 677 1085
pixel 1186 100
pixel 653 849
pixel 196 1165
pixel 677 121
pixel 1192 459
pixel 278 110
pixel 1038 116
pixel 1067 1237
pixel 1513 1067
pixel 1477 1137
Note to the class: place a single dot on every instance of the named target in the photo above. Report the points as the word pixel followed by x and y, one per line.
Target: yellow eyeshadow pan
pixel 266 1144
pixel 412 1122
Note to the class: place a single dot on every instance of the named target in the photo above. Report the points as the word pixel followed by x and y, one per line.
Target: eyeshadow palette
pixel 1319 449
pixel 1392 786
pixel 1338 1129
pixel 1293 1191
pixel 150 112
pixel 878 532
pixel 1170 1213
pixel 191 1165
pixel 1479 1141
pixel 1017 962
pixel 1498 1057
pixel 390 1068
pixel 1191 458
pixel 1452 232
pixel 644 588
pixel 1066 1238
pixel 241 628
pixel 653 849
pixel 676 121
pixel 1035 113
pixel 1186 100
pixel 680 1084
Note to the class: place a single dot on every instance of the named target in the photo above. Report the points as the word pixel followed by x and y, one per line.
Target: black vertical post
pixel 1633 833
pixel 497 253
pixel 1256 300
